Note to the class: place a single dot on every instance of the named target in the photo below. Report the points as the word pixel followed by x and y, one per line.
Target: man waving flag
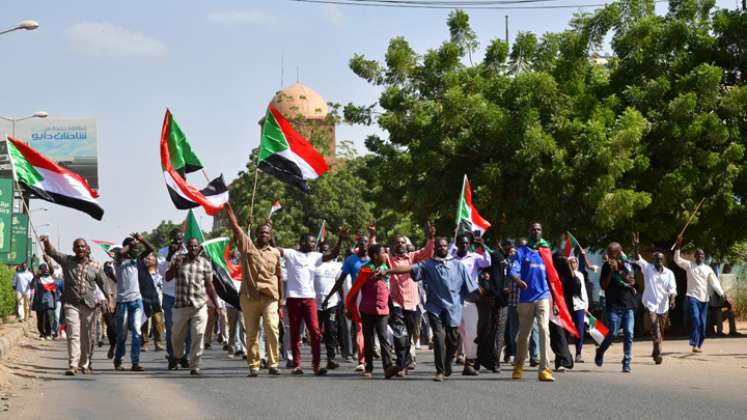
pixel 50 181
pixel 177 160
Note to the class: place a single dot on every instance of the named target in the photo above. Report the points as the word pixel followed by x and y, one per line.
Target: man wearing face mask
pixel 79 297
pixel 659 291
pixel 699 278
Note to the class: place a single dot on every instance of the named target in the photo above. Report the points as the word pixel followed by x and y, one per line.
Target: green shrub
pixel 7 295
pixel 739 301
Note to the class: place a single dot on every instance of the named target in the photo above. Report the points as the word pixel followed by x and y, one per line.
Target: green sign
pixel 19 240
pixel 6 210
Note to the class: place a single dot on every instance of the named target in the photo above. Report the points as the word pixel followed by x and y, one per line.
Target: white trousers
pixel 468 330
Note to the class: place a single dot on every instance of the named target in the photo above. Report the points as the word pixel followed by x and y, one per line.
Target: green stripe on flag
pixel 216 250
pixel 273 140
pixel 191 228
pixel 463 210
pixel 180 152
pixel 23 171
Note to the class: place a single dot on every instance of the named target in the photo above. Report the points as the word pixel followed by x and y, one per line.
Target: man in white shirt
pixel 325 276
pixel 699 278
pixel 22 285
pixel 301 297
pixel 659 291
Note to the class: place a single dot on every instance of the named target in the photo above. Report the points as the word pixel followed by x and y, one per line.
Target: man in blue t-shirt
pixel 529 273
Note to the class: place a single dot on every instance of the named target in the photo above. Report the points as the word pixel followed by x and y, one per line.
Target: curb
pixel 11 336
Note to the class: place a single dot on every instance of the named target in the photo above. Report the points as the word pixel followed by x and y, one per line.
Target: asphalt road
pixel 687 386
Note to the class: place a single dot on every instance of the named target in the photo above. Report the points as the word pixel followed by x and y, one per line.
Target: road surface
pixel 687 386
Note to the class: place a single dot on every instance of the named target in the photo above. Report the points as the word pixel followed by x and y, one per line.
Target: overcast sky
pixel 216 64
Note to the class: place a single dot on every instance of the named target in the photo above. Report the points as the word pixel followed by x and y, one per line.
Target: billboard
pixel 71 142
pixel 6 171
pixel 6 211
pixel 19 241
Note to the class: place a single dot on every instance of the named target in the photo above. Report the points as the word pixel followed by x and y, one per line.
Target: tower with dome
pixel 308 113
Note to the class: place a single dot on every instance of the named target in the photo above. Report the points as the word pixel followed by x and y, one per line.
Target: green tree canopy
pixel 547 133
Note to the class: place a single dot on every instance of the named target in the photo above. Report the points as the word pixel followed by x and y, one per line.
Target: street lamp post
pixel 13 121
pixel 28 25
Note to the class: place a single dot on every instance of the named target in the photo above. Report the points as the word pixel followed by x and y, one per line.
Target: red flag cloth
pixel 234 270
pixel 351 301
pixel 556 288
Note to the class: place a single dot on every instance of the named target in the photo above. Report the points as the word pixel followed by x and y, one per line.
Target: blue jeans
pixel 699 318
pixel 579 319
pixel 134 312
pixel 168 320
pixel 618 318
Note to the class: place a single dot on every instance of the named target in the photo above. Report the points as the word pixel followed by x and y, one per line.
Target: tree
pixel 337 197
pixel 160 236
pixel 547 134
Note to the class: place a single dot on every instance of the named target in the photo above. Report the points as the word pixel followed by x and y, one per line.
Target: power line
pixel 451 2
pixel 507 5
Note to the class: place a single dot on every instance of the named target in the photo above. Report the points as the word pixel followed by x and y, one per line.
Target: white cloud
pixel 334 14
pixel 106 39
pixel 240 18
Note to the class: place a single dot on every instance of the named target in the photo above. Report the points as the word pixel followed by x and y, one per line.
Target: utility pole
pixel 507 27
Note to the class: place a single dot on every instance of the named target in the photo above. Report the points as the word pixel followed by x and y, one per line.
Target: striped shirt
pixel 191 277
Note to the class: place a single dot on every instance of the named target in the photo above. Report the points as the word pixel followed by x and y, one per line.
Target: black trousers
pixel 45 322
pixel 559 345
pixel 344 339
pixel 403 325
pixel 486 330
pixel 445 342
pixel 376 325
pixel 328 323
pixel 110 320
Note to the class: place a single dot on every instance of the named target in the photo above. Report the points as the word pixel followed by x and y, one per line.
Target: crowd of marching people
pixel 477 305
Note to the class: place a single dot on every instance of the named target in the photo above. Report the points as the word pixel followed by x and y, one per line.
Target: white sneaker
pixel 360 368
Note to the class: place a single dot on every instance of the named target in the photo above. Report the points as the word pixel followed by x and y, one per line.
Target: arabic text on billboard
pixel 71 142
